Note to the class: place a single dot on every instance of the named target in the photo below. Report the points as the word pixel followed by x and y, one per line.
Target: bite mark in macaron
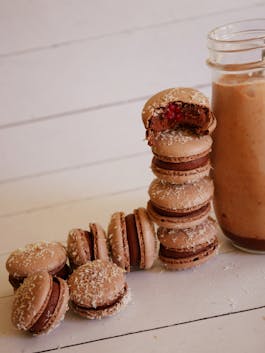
pixel 176 108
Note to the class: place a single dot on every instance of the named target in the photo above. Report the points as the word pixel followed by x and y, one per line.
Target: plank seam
pixel 153 329
pixel 122 32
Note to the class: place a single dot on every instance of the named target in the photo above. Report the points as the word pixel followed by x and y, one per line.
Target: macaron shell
pixel 78 247
pixel 114 309
pixel 41 256
pixel 61 308
pixel 31 299
pixel 192 261
pixel 100 242
pixel 147 238
pixel 181 177
pixel 180 146
pixel 118 241
pixel 96 283
pixel 188 238
pixel 178 222
pixel 180 197
pixel 163 98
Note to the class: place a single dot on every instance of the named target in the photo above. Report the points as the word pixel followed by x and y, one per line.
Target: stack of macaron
pixel 179 124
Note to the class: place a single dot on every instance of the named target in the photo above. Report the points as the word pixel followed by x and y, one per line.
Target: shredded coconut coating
pixel 96 283
pixel 182 94
pixel 189 238
pixel 180 196
pixel 27 303
pixel 35 257
pixel 182 136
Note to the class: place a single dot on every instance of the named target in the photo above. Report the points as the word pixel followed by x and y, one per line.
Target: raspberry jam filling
pixel 179 114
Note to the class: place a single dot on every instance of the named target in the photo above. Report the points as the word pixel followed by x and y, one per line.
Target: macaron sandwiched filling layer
pixel 180 213
pixel 98 289
pixel 175 254
pixel 188 247
pixel 133 240
pixel 62 271
pixel 182 166
pixel 81 309
pixel 47 315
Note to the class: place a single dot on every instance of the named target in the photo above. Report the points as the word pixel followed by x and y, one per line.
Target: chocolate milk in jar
pixel 237 59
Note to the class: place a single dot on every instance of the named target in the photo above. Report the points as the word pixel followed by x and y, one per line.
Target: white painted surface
pixel 74 76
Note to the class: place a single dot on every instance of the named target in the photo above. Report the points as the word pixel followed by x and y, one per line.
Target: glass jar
pixel 237 60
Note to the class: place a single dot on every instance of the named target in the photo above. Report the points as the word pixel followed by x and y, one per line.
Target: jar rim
pixel 220 34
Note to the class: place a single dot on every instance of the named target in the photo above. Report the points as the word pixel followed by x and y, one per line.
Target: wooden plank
pixel 74 141
pixel 239 333
pixel 30 25
pixel 127 66
pixel 165 299
pixel 88 182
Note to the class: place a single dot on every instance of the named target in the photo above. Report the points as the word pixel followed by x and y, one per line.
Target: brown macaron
pixel 181 249
pixel 177 107
pixel 180 206
pixel 98 289
pixel 132 238
pixel 40 303
pixel 181 156
pixel 35 257
pixel 84 246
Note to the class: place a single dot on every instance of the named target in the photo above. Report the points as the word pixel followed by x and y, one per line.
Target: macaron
pixel 181 156
pixel 35 257
pixel 132 238
pixel 177 107
pixel 84 246
pixel 181 249
pixel 40 303
pixel 180 205
pixel 98 289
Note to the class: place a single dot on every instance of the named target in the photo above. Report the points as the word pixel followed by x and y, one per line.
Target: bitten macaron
pixel 180 205
pixel 181 156
pixel 84 246
pixel 40 303
pixel 175 108
pixel 181 249
pixel 98 289
pixel 132 238
pixel 35 257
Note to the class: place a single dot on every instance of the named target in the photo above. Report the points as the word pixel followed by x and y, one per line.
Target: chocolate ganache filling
pixel 182 166
pixel 175 254
pixel 172 213
pixel 49 310
pixel 133 240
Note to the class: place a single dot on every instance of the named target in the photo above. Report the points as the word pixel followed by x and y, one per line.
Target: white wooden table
pixel 74 76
